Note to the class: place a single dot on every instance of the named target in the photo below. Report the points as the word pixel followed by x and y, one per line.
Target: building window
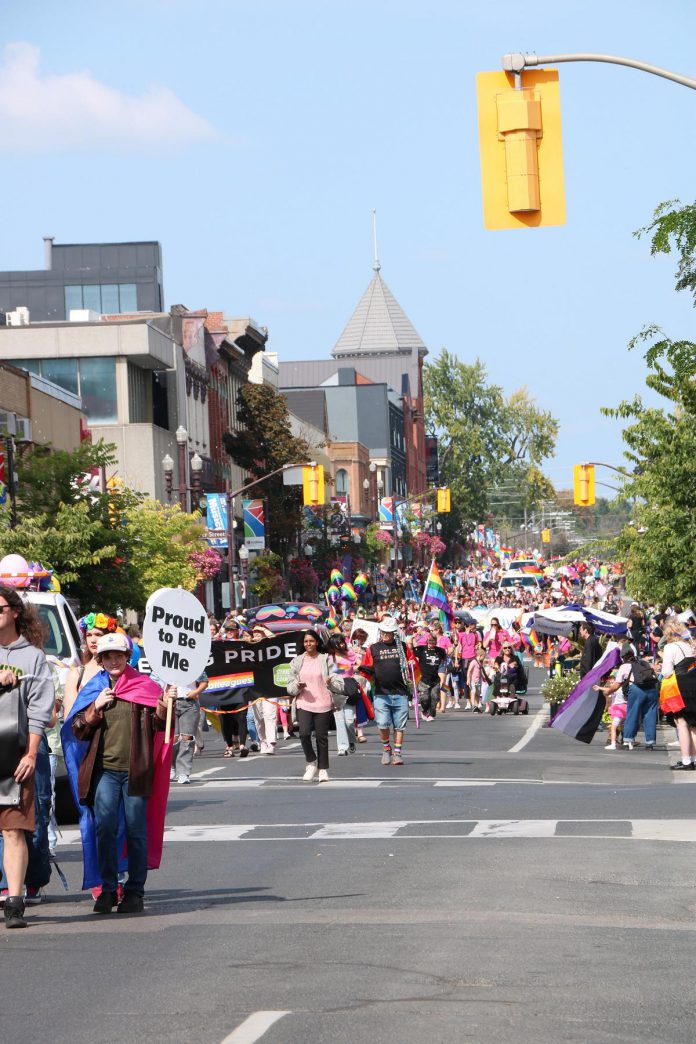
pixel 342 482
pixel 106 299
pixel 98 390
pixel 94 380
pixel 62 372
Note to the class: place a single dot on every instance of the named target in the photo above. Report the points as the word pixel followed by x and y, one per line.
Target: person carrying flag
pixel 390 663
pixel 119 767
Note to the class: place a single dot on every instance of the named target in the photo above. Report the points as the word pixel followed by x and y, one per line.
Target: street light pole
pixel 168 465
pixel 182 442
pixel 373 489
pixel 231 494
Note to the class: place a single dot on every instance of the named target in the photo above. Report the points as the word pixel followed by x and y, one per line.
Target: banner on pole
pixel 254 524
pixel 216 519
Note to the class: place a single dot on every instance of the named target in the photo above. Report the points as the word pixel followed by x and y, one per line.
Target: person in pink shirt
pixel 493 638
pixel 312 683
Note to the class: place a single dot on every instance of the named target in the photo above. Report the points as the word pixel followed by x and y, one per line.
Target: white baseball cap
pixel 113 642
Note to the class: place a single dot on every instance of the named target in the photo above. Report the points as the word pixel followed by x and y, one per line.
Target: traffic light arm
pixel 515 63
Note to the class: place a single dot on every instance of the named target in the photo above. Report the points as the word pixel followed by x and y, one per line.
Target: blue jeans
pixel 345 727
pixel 110 792
pixel 641 703
pixel 391 709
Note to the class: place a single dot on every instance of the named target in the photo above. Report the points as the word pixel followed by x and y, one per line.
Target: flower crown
pixel 98 620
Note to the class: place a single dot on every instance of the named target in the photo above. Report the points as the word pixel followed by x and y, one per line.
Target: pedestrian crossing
pixel 670 830
pixel 347 783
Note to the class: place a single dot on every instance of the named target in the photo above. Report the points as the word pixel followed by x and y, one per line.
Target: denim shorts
pixel 391 710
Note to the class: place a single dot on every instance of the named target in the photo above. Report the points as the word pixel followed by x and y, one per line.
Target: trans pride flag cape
pixel 581 712
pixel 134 688
pixel 436 596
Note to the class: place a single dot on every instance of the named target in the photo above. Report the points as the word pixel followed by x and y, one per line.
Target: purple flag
pixel 581 712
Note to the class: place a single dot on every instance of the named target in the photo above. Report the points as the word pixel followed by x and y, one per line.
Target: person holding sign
pixel 118 767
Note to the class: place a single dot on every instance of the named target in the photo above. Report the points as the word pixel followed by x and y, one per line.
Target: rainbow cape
pixel 436 596
pixel 132 687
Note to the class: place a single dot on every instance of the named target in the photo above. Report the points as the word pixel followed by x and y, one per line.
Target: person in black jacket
pixel 592 650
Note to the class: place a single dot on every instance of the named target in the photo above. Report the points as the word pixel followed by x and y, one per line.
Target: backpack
pixel 643 675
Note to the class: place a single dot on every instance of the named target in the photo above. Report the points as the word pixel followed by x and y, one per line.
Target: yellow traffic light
pixel 521 149
pixel 546 536
pixel 444 500
pixel 313 485
pixel 583 485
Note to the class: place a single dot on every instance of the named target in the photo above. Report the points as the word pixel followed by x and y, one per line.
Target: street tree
pixel 488 442
pixel 658 543
pixel 263 442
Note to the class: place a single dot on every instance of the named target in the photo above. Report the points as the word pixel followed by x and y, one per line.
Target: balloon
pixel 336 577
pixel 14 571
pixel 331 625
pixel 333 594
pixel 360 582
pixel 348 593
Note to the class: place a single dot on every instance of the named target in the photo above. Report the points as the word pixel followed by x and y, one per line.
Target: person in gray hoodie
pixel 27 702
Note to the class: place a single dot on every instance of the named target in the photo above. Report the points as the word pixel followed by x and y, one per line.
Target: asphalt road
pixel 507 882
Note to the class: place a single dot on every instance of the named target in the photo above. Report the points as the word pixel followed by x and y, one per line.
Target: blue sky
pixel 253 139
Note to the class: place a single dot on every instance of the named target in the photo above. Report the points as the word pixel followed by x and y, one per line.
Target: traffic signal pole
pixel 517 62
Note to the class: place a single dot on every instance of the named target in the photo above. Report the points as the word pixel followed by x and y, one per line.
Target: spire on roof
pixel 378 324
pixel 375 264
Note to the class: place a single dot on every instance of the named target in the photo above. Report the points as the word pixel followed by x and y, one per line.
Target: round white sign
pixel 176 636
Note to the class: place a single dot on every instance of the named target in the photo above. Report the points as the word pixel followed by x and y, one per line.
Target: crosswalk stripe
pixel 674 830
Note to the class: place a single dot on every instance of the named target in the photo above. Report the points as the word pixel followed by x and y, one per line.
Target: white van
pixel 62 637
pixel 513 579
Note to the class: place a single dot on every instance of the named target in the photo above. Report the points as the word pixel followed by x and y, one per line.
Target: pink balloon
pixel 14 571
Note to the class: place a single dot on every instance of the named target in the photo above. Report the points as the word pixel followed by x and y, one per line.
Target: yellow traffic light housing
pixel 521 149
pixel 584 485
pixel 546 536
pixel 313 485
pixel 444 500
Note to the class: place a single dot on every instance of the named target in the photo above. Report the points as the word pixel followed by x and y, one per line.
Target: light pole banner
pixel 254 525
pixel 216 519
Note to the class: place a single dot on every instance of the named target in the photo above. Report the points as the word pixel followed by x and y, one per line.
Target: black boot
pixel 105 902
pixel 14 912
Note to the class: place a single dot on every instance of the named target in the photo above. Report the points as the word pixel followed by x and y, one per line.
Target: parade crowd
pixel 380 658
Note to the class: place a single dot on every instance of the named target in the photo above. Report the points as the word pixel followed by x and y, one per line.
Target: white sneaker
pixel 673 743
pixel 449 706
pixel 310 772
pixel 323 776
pixel 172 776
pixel 183 779
pixel 628 744
pixel 610 746
pixel 456 706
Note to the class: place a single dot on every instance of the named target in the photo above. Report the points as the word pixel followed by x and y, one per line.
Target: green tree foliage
pixel 263 442
pixel 488 441
pixel 108 550
pixel 48 478
pixel 266 579
pixel 658 545
pixel 163 539
pixel 658 548
pixel 674 227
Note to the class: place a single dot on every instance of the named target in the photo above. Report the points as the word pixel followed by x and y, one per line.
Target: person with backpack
pixel 638 681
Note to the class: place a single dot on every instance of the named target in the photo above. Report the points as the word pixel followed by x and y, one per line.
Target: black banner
pixel 235 668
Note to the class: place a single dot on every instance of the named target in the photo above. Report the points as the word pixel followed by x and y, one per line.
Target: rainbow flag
pixel 436 596
pixel 532 570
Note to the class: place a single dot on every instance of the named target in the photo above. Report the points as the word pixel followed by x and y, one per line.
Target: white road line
pixel 228 784
pixel 664 829
pixel 515 828
pixel 661 830
pixel 254 1027
pixel 464 783
pixel 208 772
pixel 539 718
pixel 351 831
